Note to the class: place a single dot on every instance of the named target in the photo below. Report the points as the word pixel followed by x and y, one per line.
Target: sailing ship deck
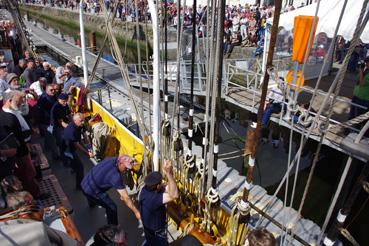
pixel 229 180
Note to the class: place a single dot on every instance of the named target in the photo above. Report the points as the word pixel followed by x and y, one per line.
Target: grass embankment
pixel 71 27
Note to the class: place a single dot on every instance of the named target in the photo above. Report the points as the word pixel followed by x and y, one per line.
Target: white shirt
pixel 59 72
pixel 276 95
pixel 37 88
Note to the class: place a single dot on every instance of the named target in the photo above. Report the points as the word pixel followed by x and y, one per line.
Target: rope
pixel 177 84
pixel 139 57
pixel 307 135
pixel 94 69
pixel 349 237
pixel 350 123
pixel 355 40
pixel 358 212
pixel 123 71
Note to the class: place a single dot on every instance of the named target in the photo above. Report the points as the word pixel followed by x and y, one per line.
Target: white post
pixel 83 44
pixel 156 83
pixel 266 47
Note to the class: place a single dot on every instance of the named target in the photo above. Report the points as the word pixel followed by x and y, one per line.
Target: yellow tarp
pixel 122 141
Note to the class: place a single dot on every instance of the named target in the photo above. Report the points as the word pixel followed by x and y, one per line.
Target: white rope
pixel 307 135
pixel 124 74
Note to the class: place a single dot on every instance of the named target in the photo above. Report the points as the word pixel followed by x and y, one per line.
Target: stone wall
pixel 97 23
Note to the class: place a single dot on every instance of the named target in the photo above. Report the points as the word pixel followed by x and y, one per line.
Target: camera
pixel 361 64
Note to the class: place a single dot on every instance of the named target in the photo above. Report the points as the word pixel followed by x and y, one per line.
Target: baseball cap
pixel 3 65
pixel 63 96
pixel 10 77
pixel 153 178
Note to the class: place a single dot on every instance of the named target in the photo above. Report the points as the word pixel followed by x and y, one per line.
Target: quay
pixel 246 95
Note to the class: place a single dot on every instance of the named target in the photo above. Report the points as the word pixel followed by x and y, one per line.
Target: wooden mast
pixel 256 134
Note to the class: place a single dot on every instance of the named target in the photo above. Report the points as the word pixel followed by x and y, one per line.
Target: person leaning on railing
pixel 361 91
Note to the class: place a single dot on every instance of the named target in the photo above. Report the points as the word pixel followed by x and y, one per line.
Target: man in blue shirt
pixel 152 200
pixel 106 175
pixel 70 81
pixel 71 142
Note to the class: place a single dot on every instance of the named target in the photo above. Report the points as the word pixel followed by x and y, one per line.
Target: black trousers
pixel 77 166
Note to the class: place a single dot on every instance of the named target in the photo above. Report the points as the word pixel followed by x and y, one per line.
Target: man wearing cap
pixel 106 175
pixel 13 81
pixel 60 117
pixel 152 200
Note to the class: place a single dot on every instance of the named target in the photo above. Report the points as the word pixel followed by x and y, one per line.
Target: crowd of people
pixel 36 97
pixel 244 25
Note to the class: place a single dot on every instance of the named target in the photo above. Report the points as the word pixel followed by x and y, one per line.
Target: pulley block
pixel 178 145
pixel 305 120
pixel 166 128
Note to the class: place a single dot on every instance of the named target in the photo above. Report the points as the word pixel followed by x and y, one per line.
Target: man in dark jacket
pixel 19 69
pixel 44 104
pixel 152 200
pixel 13 122
pixel 48 73
pixel 60 117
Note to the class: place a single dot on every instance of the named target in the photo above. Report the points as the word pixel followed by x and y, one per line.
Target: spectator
pixel 71 82
pixel 13 122
pixel 261 237
pixel 3 83
pixel 13 81
pixel 71 143
pixel 39 69
pixel 48 73
pixel 59 75
pixel 39 86
pixel 361 91
pixel 45 103
pixel 105 176
pixel 152 200
pixel 29 73
pixel 60 117
pixel 27 56
pixel 19 69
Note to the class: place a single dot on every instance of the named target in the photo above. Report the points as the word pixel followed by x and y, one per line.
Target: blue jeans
pixel 104 200
pixel 270 109
pixel 155 238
